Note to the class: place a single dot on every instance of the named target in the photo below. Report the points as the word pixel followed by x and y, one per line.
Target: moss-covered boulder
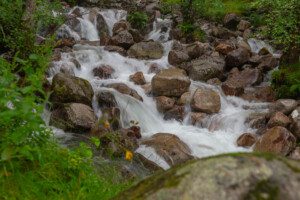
pixel 234 177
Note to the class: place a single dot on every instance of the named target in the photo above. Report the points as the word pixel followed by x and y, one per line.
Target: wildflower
pixel 128 155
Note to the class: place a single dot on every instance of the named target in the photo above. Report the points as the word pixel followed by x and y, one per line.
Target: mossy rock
pixel 230 176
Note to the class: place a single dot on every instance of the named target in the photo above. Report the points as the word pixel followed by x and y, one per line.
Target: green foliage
pixel 286 81
pixel 138 20
pixel 190 30
pixel 282 21
pixel 32 164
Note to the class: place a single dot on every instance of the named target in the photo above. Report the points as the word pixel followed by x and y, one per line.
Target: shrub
pixel 138 20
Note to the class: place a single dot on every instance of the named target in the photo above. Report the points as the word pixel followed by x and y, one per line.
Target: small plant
pixel 138 20
pixel 192 31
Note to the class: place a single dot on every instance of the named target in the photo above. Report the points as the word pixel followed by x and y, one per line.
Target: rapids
pixel 218 134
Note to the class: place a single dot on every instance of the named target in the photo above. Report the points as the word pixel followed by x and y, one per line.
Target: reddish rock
pixel 279 119
pixel 224 48
pixel 103 71
pixel 246 140
pixel 164 104
pixel 206 100
pixel 276 140
pixel 259 93
pixel 138 78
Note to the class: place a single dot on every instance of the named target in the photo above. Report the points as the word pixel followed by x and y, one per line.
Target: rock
pixel 113 116
pixel 67 69
pixel 206 100
pixel 237 58
pixel 295 126
pixel 231 21
pixel 176 33
pixel 247 34
pixel 259 93
pixel 137 37
pixel 257 120
pixel 106 99
pixel 276 140
pixel 117 49
pixel 224 48
pixel 295 154
pixel 177 113
pixel 148 164
pixel 154 68
pixel 206 68
pixel 279 119
pixel 70 89
pixel 223 177
pixel 185 99
pixel 238 80
pixel 245 45
pixel 74 117
pixel 146 50
pixel 138 78
pixel 286 106
pixel 147 88
pixel 222 33
pixel 164 104
pixel 123 39
pixel 121 25
pixel 169 147
pixel 197 118
pixel 268 63
pixel 65 42
pixel 124 89
pixel 101 25
pixel 243 25
pixel 170 82
pixel 175 58
pixel 103 71
pixel 246 140
pixel 214 81
pixel 195 50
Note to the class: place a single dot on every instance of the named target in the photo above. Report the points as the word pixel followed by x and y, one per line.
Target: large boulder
pixel 206 100
pixel 124 89
pixel 123 39
pixel 170 82
pixel 234 177
pixel 71 89
pixel 276 140
pixel 206 67
pixel 74 117
pixel 237 58
pixel 169 147
pixel 146 50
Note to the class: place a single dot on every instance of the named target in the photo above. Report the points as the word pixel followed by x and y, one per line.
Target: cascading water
pixel 217 135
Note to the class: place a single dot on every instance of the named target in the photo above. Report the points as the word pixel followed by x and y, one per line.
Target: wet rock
pixel 268 63
pixel 106 99
pixel 237 58
pixel 177 113
pixel 138 78
pixel 124 89
pixel 240 176
pixel 169 147
pixel 103 71
pixel 137 37
pixel 101 25
pixel 238 80
pixel 185 98
pixel 231 21
pixel 206 67
pixel 74 117
pixel 246 140
pixel 260 94
pixel 197 118
pixel 276 140
pixel 148 164
pixel 295 155
pixel 76 63
pixel 147 88
pixel 117 49
pixel 105 40
pixel 154 68
pixel 279 119
pixel 257 120
pixel 146 50
pixel 123 39
pixel 175 58
pixel 195 50
pixel 243 25
pixel 70 89
pixel 170 82
pixel 206 100
pixel 67 69
pixel 295 126
pixel 121 25
pixel 164 104
pixel 286 106
pixel 224 48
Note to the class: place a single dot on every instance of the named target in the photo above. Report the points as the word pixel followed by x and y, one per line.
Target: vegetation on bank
pixel 32 163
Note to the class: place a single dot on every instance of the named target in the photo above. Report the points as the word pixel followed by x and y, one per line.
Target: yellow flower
pixel 128 155
pixel 106 125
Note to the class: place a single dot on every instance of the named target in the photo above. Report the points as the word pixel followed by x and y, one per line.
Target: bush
pixel 286 81
pixel 138 20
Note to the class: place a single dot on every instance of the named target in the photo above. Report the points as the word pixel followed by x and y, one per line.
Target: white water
pixel 220 131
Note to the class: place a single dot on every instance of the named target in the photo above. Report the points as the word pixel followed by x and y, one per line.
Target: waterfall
pixel 220 131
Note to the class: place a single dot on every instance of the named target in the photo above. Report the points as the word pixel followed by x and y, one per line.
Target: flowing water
pixel 217 135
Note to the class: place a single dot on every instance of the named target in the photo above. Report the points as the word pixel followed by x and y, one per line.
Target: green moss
pixel 264 190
